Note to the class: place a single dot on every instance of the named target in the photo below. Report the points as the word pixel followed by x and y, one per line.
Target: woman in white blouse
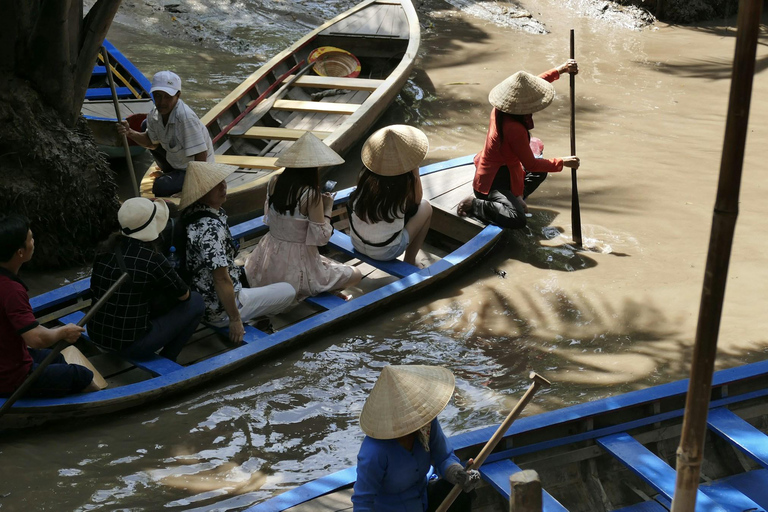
pixel 388 214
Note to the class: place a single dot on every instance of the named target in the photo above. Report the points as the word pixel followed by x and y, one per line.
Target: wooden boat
pixel 453 243
pixel 132 89
pixel 383 34
pixel 613 454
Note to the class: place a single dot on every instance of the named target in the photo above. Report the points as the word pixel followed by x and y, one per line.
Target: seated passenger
pixel 388 214
pixel 127 322
pixel 299 218
pixel 211 252
pixel 23 341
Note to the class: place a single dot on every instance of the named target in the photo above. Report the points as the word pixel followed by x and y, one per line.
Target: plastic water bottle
pixel 173 258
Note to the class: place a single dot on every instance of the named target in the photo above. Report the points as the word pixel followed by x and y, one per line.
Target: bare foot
pixel 343 295
pixel 465 207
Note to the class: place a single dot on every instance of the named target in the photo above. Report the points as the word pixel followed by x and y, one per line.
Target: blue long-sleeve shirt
pixel 393 479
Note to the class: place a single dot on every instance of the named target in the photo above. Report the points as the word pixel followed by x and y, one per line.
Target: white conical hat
pixel 200 179
pixel 395 150
pixel 522 93
pixel 308 151
pixel 404 399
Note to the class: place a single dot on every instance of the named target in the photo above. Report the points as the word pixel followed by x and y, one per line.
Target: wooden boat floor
pixel 381 19
pixel 106 109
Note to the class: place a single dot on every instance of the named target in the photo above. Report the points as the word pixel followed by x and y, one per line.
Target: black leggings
pixel 500 206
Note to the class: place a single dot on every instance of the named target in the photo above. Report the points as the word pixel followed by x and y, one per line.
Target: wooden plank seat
pixel 273 133
pixel 333 82
pixel 739 433
pixel 646 506
pixel 753 484
pixel 395 267
pixel 497 474
pixel 105 93
pixel 156 365
pixel 248 162
pixel 321 107
pixel 654 471
pixel 252 334
pixel 325 300
pixel 99 71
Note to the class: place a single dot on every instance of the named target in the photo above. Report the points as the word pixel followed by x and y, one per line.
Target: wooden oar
pixel 126 148
pixel 58 348
pixel 260 109
pixel 538 382
pixel 575 209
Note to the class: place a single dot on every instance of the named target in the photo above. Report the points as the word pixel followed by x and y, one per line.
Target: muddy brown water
pixel 617 317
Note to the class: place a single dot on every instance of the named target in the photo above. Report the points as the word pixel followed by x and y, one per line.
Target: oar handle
pixel 60 345
pixel 538 382
pixel 116 103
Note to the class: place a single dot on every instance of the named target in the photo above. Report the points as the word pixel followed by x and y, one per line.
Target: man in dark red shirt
pixel 23 341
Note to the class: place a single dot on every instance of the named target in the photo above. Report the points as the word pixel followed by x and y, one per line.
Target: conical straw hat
pixel 404 399
pixel 522 93
pixel 200 179
pixel 395 150
pixel 308 151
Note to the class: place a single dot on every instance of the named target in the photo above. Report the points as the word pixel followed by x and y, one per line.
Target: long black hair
pixel 291 184
pixel 383 198
pixel 518 118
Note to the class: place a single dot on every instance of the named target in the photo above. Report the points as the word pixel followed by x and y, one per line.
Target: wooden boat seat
pixel 105 93
pixel 333 82
pixel 251 335
pixel 99 71
pixel 753 484
pixel 317 107
pixel 272 133
pixel 248 162
pixel 395 267
pixel 740 434
pixel 657 473
pixel 497 474
pixel 326 300
pixel 156 365
pixel 646 506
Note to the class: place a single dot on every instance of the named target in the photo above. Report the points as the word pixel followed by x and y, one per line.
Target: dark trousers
pixel 172 179
pixel 170 331
pixel 437 490
pixel 58 378
pixel 500 206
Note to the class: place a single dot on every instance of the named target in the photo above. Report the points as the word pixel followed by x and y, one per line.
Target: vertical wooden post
pixel 525 495
pixel 691 450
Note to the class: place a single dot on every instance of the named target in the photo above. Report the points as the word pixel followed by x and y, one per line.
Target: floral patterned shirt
pixel 210 246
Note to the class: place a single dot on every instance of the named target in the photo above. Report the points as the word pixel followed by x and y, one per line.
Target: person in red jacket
pixel 507 171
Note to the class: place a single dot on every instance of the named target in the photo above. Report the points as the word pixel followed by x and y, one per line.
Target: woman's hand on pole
pixel 569 66
pixel 571 161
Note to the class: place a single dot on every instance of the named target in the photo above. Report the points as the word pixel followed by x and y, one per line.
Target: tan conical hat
pixel 522 93
pixel 309 151
pixel 404 399
pixel 200 178
pixel 395 150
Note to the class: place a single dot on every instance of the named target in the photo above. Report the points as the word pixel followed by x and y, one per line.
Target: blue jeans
pixel 58 378
pixel 169 332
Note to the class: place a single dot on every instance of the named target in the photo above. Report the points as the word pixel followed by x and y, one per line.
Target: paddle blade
pixel 74 356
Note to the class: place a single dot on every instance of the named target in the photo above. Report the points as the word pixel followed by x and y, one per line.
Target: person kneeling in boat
pixel 298 214
pixel 23 341
pixel 388 214
pixel 403 439
pixel 173 132
pixel 507 171
pixel 211 252
pixel 131 322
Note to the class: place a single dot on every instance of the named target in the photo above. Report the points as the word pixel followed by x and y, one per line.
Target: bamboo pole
pixel 690 451
pixel 575 207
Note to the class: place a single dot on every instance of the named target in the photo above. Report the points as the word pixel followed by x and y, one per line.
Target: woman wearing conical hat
pixel 388 214
pixel 507 170
pixel 299 218
pixel 403 439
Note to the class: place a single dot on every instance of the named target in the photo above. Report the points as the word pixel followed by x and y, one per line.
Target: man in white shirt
pixel 175 128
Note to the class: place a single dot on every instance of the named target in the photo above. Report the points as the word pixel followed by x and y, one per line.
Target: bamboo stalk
pixel 575 207
pixel 690 451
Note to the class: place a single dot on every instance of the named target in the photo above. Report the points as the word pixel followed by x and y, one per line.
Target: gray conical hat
pixel 395 150
pixel 522 93
pixel 200 179
pixel 308 151
pixel 404 399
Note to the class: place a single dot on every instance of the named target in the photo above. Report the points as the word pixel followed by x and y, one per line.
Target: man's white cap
pixel 166 81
